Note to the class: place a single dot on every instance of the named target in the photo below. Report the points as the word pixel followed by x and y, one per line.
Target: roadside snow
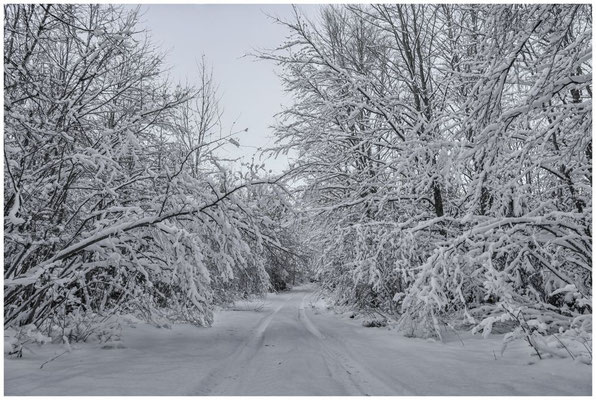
pixel 290 345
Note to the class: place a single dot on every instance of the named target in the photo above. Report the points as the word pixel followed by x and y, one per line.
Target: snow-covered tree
pixel 444 153
pixel 114 200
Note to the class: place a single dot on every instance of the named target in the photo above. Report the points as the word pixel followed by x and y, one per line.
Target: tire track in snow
pixel 362 378
pixel 335 365
pixel 307 322
pixel 336 369
pixel 242 355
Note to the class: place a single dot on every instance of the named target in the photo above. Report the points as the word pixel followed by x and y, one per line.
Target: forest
pixel 441 173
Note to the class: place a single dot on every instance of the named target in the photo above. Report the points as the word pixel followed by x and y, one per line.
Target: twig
pixel 565 347
pixel 587 347
pixel 457 334
pixel 53 358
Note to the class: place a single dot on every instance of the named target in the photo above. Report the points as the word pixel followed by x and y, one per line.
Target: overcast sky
pixel 251 92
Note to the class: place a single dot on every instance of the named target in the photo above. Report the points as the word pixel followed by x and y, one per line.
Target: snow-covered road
pixel 291 346
pixel 287 353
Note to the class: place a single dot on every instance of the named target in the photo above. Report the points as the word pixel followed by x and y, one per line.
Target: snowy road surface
pixel 291 346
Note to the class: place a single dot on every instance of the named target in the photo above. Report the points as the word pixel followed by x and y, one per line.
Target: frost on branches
pixel 114 200
pixel 444 156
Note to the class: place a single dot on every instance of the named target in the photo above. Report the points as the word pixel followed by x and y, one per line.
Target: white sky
pixel 251 93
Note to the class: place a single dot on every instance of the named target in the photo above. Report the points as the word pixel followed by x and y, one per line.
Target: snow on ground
pixel 291 345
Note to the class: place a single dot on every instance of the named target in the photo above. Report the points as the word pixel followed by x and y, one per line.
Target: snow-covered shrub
pixel 18 339
pixel 374 323
pixel 78 325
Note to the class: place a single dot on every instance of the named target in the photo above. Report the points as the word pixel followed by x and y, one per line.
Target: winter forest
pixel 436 211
